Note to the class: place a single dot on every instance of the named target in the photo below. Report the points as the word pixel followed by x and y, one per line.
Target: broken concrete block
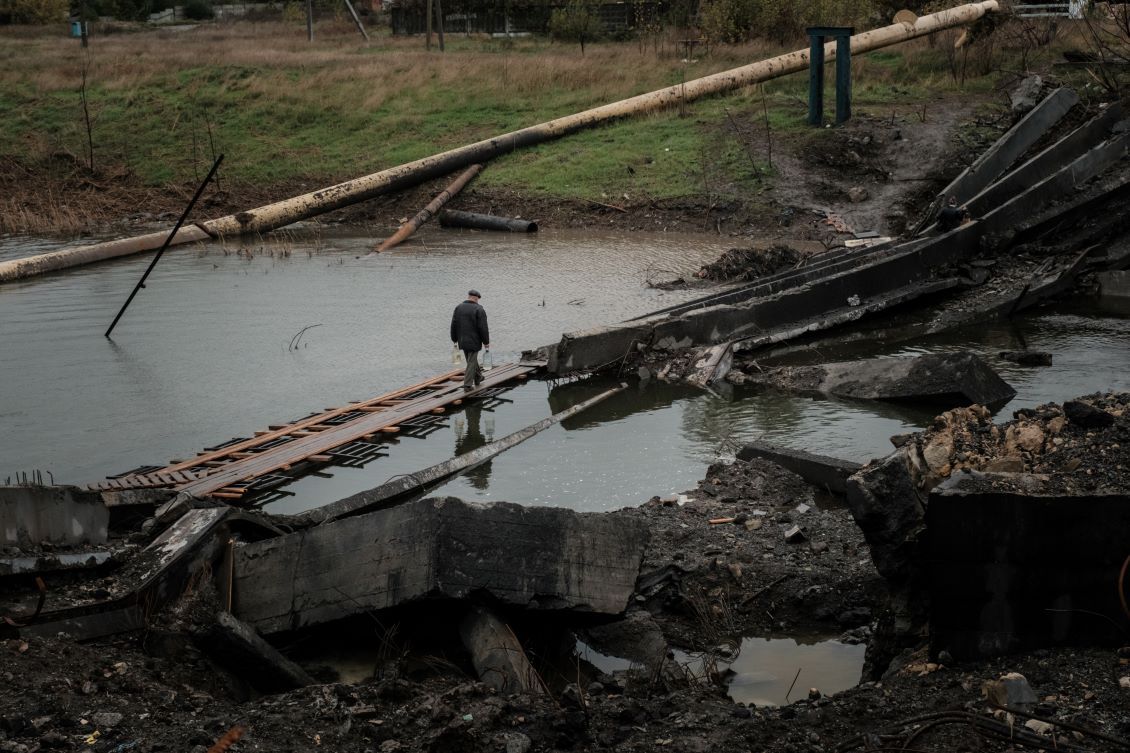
pixel 794 535
pixel 1114 285
pixel 883 499
pixel 52 514
pixel 497 655
pixel 236 646
pixel 819 470
pixel 948 379
pixel 52 562
pixel 536 557
pixel 1012 567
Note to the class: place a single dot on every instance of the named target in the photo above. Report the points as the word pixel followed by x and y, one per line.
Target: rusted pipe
pixel 285 212
pixel 477 221
pixel 430 210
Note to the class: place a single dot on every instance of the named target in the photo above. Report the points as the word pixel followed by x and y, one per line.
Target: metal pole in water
pixel 183 217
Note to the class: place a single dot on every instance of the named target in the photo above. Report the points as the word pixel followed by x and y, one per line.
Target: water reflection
pixel 468 437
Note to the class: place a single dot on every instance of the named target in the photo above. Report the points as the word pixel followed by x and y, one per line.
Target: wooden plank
pixel 303 447
pixel 216 454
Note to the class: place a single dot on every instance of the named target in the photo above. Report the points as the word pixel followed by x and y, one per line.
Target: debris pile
pixel 742 264
pixel 1082 446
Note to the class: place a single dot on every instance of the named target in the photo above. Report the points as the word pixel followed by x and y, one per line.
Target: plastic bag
pixel 456 356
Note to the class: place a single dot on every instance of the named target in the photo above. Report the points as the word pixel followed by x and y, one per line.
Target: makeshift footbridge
pixel 248 467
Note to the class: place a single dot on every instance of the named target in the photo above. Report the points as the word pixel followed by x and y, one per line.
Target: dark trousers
pixel 474 374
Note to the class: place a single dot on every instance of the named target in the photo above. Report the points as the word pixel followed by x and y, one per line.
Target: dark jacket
pixel 469 326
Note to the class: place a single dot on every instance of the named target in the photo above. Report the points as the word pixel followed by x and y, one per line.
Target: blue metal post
pixel 815 78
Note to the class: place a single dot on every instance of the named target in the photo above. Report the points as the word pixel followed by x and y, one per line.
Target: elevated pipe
pixel 279 214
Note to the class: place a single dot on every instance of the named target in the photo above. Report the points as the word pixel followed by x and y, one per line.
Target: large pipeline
pixel 285 212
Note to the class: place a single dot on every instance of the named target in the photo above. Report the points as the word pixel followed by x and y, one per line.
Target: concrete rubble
pixel 945 379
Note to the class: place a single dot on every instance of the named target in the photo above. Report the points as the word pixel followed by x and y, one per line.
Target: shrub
pixel 198 10
pixel 576 22
pixel 38 11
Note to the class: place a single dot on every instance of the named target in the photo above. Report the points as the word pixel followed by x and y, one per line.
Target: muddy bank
pixel 752 550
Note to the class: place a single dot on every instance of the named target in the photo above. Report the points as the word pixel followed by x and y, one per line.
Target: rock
pixel 752 524
pixel 1072 465
pixel 390 746
pixel 1027 437
pixel 516 742
pixel 938 452
pixel 1026 96
pixel 1010 689
pixel 1040 728
pixel 1086 416
pixel 571 696
pixel 1124 683
pixel 1027 357
pixel 1055 425
pixel 1008 464
pixel 644 373
pixel 814 694
pixel 794 535
pixel 106 719
pixel 54 739
pixel 856 194
pixel 819 546
pixel 735 570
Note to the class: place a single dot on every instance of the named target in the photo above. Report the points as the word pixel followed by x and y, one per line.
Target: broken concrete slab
pixel 1047 162
pixel 947 379
pixel 51 562
pixel 884 500
pixel 535 557
pixel 819 470
pixel 597 347
pixel 157 575
pixel 1017 140
pixel 1114 286
pixel 498 657
pixel 1013 567
pixel 54 514
pixel 236 646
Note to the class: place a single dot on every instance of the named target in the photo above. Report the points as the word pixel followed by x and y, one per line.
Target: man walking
pixel 952 216
pixel 469 331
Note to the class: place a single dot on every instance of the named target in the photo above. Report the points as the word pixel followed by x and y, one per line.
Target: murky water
pixel 203 352
pixel 204 355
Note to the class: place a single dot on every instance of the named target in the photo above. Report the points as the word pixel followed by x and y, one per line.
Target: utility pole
pixel 309 20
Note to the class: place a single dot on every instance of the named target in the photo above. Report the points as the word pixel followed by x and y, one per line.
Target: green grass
pixel 310 118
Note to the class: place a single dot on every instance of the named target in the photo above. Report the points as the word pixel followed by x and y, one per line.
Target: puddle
pixel 765 670
pixel 606 664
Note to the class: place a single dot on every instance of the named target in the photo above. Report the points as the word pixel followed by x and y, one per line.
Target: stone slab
pixel 1011 568
pixel 55 514
pixel 535 557
pixel 820 470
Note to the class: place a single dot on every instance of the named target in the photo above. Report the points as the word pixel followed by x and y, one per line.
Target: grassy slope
pixel 286 112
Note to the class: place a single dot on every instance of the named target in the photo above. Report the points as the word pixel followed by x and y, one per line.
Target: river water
pixel 204 354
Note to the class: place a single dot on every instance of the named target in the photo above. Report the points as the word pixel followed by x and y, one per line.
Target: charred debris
pixel 983 564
